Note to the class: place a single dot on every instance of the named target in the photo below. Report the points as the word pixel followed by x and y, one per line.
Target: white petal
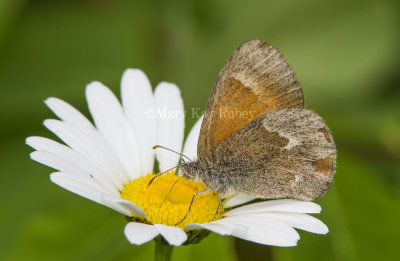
pixel 55 162
pixel 62 165
pixel 131 207
pixel 92 145
pixel 63 158
pixel 84 188
pixel 139 233
pixel 263 231
pixel 255 229
pixel 68 114
pixel 237 199
pixel 170 124
pixel 190 147
pixel 296 220
pixel 283 205
pixel 95 144
pixel 112 124
pixel 138 102
pixel 174 235
pixel 219 228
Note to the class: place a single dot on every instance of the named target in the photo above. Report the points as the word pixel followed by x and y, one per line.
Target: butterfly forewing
pixel 254 81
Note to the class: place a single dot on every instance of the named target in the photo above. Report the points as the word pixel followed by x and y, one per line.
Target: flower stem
pixel 162 251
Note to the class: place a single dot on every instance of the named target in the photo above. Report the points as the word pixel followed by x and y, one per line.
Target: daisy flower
pixel 112 162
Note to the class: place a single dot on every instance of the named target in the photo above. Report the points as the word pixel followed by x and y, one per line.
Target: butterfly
pixel 256 137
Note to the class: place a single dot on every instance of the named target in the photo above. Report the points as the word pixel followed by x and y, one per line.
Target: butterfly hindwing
pixel 284 153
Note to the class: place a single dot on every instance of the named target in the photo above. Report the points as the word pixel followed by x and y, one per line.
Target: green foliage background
pixel 345 54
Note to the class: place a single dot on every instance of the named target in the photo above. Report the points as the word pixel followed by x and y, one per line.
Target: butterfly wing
pixel 284 153
pixel 254 81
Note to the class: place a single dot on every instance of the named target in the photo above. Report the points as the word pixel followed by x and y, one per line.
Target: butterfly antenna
pixel 162 173
pixel 162 147
pixel 159 174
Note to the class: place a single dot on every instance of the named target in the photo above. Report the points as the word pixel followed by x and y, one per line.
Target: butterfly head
pixel 190 170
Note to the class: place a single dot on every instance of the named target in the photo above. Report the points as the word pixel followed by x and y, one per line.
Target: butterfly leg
pixel 191 203
pixel 219 206
pixel 169 192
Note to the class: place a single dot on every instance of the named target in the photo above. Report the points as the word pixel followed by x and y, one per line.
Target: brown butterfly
pixel 256 137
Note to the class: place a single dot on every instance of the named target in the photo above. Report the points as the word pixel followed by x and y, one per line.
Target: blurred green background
pixel 345 54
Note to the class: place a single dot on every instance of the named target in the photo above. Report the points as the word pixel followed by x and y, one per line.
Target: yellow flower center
pixel 167 200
